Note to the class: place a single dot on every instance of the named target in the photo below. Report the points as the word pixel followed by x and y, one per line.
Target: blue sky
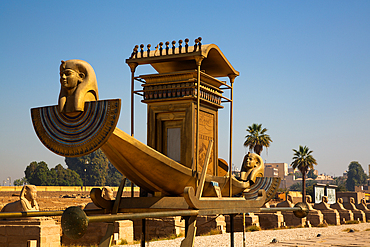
pixel 304 69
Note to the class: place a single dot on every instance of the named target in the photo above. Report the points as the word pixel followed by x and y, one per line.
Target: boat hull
pixel 85 132
pixel 156 172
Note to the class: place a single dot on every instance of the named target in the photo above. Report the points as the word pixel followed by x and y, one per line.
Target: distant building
pixel 287 181
pixel 324 179
pixel 271 172
pixel 316 172
pixel 276 170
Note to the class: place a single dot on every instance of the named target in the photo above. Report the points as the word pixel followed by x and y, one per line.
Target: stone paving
pixel 344 239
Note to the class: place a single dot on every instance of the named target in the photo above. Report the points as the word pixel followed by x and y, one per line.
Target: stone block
pixel 96 231
pixel 124 230
pixel 345 215
pixel 2 230
pixel 332 217
pixel 12 230
pixel 3 240
pixel 33 230
pixel 50 230
pixel 17 245
pixel 315 218
pixel 270 220
pixel 31 243
pixel 21 231
pixel 291 220
pixel 159 227
pixel 359 215
pixel 250 220
pixel 206 224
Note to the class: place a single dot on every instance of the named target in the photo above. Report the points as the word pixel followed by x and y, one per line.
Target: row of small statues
pixel 27 200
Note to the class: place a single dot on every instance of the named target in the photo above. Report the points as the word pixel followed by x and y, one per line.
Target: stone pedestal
pixel 345 214
pixel 270 220
pixel 362 206
pixel 315 217
pixel 291 220
pixel 160 227
pixel 357 214
pixel 20 232
pixel 331 216
pixel 96 231
pixel 367 215
pixel 206 224
pixel 250 220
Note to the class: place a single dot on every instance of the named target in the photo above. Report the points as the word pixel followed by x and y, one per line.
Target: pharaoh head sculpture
pixel 352 200
pixel 252 167
pixel 340 201
pixel 252 161
pixel 78 85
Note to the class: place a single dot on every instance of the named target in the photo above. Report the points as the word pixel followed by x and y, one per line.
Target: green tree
pixel 296 187
pixel 340 182
pixel 297 175
pixel 114 177
pixel 64 177
pixel 37 173
pixel 311 174
pixel 309 187
pixel 303 161
pixel 355 176
pixel 257 138
pixel 309 191
pixel 92 168
pixel 20 182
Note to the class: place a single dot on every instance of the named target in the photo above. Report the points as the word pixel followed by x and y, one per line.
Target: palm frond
pixel 257 139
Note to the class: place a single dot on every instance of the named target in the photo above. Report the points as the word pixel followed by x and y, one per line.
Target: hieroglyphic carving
pixel 206 133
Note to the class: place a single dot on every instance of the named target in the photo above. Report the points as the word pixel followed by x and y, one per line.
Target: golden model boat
pixel 182 120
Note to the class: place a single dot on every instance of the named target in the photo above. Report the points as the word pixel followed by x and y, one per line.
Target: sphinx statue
pixel 331 215
pixel 78 85
pixel 107 194
pixel 315 217
pixel 27 201
pixel 357 213
pixel 345 214
pixel 252 168
pixel 362 206
pixel 287 203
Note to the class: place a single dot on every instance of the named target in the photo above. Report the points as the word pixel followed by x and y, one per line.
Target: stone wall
pixel 250 220
pixel 205 224
pixel 160 227
pixel 19 232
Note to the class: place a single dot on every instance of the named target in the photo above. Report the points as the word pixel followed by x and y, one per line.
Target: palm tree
pixel 257 139
pixel 303 160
